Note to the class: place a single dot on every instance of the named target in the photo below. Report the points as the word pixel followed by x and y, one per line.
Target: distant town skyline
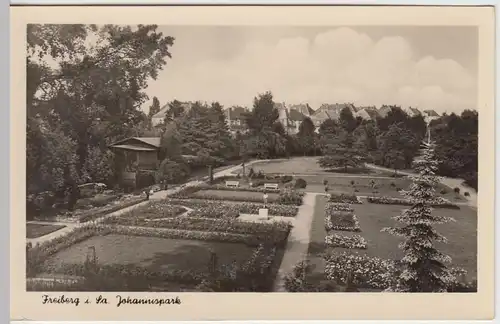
pixel 424 67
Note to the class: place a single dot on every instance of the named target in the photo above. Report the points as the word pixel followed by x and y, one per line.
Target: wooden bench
pixel 270 186
pixel 232 184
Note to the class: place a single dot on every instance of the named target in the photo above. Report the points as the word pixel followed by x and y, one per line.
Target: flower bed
pixel 340 207
pixel 340 220
pixel 155 210
pixel 276 232
pixel 344 198
pixel 220 209
pixel 440 203
pixel 285 197
pixel 366 272
pixel 377 273
pixel 96 213
pixel 349 242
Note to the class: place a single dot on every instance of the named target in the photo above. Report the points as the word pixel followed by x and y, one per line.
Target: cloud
pixel 340 65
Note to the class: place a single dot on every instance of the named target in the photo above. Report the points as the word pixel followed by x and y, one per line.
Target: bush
pixel 353 182
pixel 290 197
pixel 393 184
pixel 466 194
pixel 300 183
pixel 443 191
pixel 456 190
pixel 172 171
pixel 325 182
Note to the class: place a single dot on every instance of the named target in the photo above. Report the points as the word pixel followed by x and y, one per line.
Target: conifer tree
pixel 423 267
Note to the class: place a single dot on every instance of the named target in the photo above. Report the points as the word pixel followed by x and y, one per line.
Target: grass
pixel 462 234
pixel 38 230
pixel 153 253
pixel 156 210
pixel 235 195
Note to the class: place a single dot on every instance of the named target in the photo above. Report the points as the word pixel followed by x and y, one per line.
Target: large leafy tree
pixel 154 108
pixel 265 137
pixel 343 151
pixel 307 136
pixel 85 84
pixel 423 265
pixel 397 147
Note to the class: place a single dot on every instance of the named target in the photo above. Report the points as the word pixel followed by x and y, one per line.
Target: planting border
pixel 406 202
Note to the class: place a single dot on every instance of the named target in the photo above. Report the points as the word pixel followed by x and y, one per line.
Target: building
pixel 140 155
pixel 430 115
pixel 235 118
pixel 159 117
pixel 367 113
pixel 333 110
pixel 412 112
pixel 291 116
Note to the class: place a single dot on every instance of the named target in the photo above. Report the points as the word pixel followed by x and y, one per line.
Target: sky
pixel 425 67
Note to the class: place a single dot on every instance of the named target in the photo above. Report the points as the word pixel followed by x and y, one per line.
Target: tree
pixel 343 151
pixel 92 94
pixel 423 266
pixel 266 139
pixel 347 120
pixel 154 108
pixel 396 147
pixel 306 136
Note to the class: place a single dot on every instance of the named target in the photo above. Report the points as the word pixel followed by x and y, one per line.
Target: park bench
pixel 270 186
pixel 232 184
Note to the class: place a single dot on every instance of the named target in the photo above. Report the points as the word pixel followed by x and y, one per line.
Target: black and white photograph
pixel 329 159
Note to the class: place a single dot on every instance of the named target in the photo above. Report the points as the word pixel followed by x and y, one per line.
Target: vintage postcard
pixel 258 162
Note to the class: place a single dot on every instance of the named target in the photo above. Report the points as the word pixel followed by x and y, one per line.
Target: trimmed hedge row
pixel 405 202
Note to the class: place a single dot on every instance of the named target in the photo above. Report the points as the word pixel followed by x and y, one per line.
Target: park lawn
pixel 461 235
pixel 38 230
pixel 234 195
pixel 386 186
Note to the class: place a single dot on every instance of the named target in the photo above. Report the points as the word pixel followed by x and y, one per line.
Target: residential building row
pixel 291 116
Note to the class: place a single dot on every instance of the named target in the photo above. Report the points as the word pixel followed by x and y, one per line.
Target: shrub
pixel 172 171
pixel 300 183
pixel 443 191
pixel 349 242
pixel 325 182
pixel 466 194
pixel 393 184
pixel 290 197
pixel 456 190
pixel 356 190
pixel 353 182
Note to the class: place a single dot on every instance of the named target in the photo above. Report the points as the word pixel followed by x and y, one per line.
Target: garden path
pixel 450 182
pixel 298 241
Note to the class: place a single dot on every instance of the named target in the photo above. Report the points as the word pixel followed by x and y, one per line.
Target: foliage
pixel 87 99
pixel 456 138
pixel 154 108
pixel 397 147
pixel 290 197
pixel 301 280
pixel 300 183
pixel 172 171
pixel 423 265
pixel 342 151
